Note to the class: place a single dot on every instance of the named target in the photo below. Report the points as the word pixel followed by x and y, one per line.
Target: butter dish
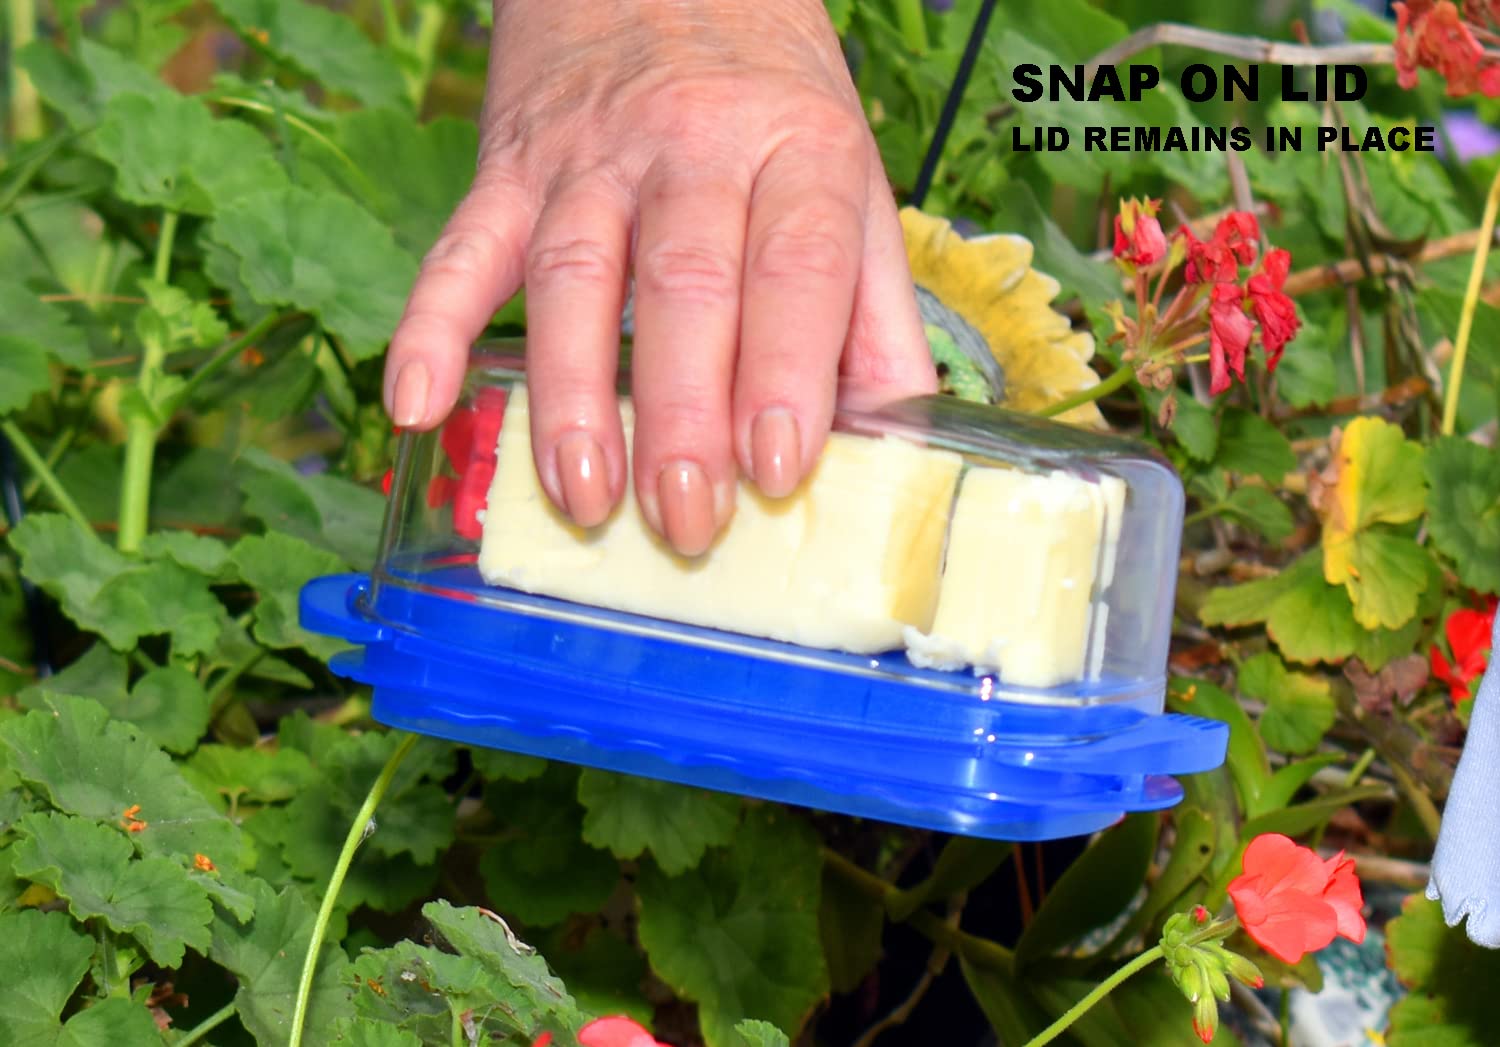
pixel 959 622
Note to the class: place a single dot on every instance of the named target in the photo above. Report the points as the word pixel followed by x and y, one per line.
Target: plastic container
pixel 966 750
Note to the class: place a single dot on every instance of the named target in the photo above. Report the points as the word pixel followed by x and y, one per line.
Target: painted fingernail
pixel 409 398
pixel 585 484
pixel 687 507
pixel 776 452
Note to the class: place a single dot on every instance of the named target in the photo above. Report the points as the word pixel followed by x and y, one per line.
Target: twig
pixel 936 962
pixel 1322 277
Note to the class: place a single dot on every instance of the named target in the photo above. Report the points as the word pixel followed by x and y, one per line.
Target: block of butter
pixel 848 561
pixel 1028 555
pixel 872 553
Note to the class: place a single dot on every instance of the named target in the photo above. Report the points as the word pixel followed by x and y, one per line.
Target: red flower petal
pixel 1229 331
pixel 1343 895
pixel 1291 902
pixel 616 1032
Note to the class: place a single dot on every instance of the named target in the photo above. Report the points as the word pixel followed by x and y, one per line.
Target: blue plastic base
pixel 526 679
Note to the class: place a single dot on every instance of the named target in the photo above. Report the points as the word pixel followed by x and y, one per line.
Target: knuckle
pixel 688 272
pixel 571 261
pixel 461 252
pixel 792 250
pixel 685 414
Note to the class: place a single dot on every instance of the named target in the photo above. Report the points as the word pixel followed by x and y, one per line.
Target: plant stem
pixel 336 882
pixel 43 472
pixel 1471 303
pixel 142 428
pixel 207 1025
pixel 227 352
pixel 219 694
pixel 980 951
pixel 1121 376
pixel 1103 989
pixel 913 24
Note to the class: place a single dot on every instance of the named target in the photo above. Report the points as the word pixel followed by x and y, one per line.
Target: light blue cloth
pixel 1466 866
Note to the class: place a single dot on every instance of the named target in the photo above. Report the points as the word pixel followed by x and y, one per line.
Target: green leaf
pixel 1261 510
pixel 324 510
pixel 1306 376
pixel 421 989
pixel 1299 708
pixel 41 965
pixel 80 87
pixel 760 1034
pixel 1013 1015
pixel 542 870
pixel 739 934
pixel 91 866
pixel 88 765
pixel 322 253
pixel 277 566
pixel 115 1022
pixel 1386 576
pixel 170 707
pixel 120 598
pixel 1095 282
pixel 1305 817
pixel 484 937
pixel 604 971
pixel 964 862
pixel 494 765
pixel 257 775
pixel 1288 779
pixel 1451 981
pixel 99 673
pixel 628 815
pixel 1094 890
pixel 851 923
pixel 1464 509
pixel 365 1032
pixel 410 175
pixel 24 373
pixel 1250 445
pixel 196 552
pixel 320 43
pixel 1246 758
pixel 42 325
pixel 169 151
pixel 266 956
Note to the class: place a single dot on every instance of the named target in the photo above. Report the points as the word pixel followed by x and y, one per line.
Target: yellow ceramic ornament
pixel 982 294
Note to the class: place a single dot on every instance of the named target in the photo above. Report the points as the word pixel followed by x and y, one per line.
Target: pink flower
pixel 1274 310
pixel 1229 331
pixel 1292 902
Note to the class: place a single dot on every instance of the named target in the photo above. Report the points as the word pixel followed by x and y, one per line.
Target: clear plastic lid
pixel 951 546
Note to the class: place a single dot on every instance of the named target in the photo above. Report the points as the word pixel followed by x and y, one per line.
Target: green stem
pixel 60 447
pixel 1471 303
pixel 980 951
pixel 25 104
pixel 207 1025
pixel 43 472
pixel 913 24
pixel 1103 989
pixel 219 693
pixel 1121 377
pixel 36 158
pixel 142 429
pixel 225 353
pixel 336 882
pixel 424 43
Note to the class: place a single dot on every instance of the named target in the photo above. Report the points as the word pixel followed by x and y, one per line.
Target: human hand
pixel 717 150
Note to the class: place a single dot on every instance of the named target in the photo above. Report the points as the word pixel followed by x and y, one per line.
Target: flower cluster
pixel 1469 633
pixel 1217 302
pixel 1436 34
pixel 1201 967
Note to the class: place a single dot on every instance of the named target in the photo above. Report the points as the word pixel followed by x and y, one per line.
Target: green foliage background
pixel 202 257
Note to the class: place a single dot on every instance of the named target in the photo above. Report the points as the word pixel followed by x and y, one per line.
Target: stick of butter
pixel 1028 557
pixel 849 561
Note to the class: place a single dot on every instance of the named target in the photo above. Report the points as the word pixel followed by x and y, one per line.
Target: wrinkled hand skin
pixel 717 153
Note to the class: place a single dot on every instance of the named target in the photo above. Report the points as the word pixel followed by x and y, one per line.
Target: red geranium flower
pixel 1138 236
pixel 1218 259
pixel 608 1032
pixel 1434 35
pixel 1274 310
pixel 1469 634
pixel 1292 902
pixel 1229 331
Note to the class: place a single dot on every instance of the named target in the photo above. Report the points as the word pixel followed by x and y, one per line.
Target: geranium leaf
pixel 739 934
pixel 169 151
pixel 43 961
pixel 88 765
pixel 1258 508
pixel 494 765
pixel 120 598
pixel 543 871
pixel 266 955
pixel 323 253
pixel 257 775
pixel 323 44
pixel 208 556
pixel 277 566
pixel 23 373
pixel 40 324
pixel 92 867
pixel 81 86
pixel 1378 480
pixel 629 815
pixel 327 511
pixel 1464 515
pixel 760 1034
pixel 170 706
pixel 365 1032
pixel 1449 978
pixel 603 971
pixel 99 673
pixel 483 937
pixel 115 1022
pixel 1250 445
pixel 1299 708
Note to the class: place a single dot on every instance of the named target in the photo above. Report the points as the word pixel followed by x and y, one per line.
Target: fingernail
pixel 409 398
pixel 585 484
pixel 687 507
pixel 776 452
